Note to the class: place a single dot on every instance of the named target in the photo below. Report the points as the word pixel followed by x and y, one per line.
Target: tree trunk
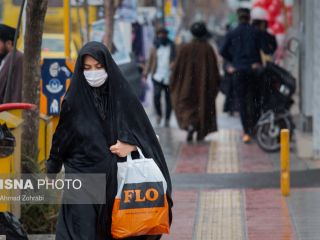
pixel 35 14
pixel 109 21
pixel 86 15
pixel 110 7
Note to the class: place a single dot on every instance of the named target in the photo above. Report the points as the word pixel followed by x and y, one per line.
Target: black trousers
pixel 248 95
pixel 230 104
pixel 158 89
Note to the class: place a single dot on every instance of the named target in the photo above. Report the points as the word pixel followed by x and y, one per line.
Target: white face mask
pixel 95 78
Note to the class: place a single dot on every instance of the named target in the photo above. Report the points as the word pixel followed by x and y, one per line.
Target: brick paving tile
pixel 253 159
pixel 193 158
pixel 228 154
pixel 268 216
pixel 184 215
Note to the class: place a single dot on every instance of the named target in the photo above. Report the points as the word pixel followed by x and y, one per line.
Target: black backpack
pixel 7 141
pixel 11 227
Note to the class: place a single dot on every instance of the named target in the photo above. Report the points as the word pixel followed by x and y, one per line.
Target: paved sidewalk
pixel 226 190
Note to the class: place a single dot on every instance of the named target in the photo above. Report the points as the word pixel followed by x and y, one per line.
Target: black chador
pixel 91 120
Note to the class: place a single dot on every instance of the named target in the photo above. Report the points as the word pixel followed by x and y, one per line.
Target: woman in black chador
pixel 101 121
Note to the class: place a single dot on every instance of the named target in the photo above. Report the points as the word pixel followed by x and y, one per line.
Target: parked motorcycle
pixel 278 88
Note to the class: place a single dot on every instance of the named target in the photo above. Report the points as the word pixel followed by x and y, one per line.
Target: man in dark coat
pixel 194 85
pixel 6 54
pixel 227 85
pixel 242 49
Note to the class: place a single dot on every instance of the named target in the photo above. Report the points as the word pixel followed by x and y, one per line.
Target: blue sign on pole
pixel 54 73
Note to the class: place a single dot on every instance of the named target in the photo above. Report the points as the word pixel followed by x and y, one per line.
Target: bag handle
pixel 129 157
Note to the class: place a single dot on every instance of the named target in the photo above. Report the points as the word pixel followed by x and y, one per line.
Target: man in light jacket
pixel 159 66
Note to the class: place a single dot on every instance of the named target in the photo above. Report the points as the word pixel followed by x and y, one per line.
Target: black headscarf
pixel 109 113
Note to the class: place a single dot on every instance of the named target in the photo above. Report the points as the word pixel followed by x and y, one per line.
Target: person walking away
pixel 6 54
pixel 242 49
pixel 269 45
pixel 227 86
pixel 268 41
pixel 195 85
pixel 159 65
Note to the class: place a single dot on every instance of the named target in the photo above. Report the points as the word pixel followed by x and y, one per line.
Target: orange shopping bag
pixel 141 206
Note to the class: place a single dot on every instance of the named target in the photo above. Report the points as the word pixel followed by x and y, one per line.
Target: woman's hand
pixel 122 149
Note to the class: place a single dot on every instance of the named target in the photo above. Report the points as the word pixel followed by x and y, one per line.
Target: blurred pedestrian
pixel 6 54
pixel 101 121
pixel 194 85
pixel 242 49
pixel 159 65
pixel 227 84
pixel 269 45
pixel 268 41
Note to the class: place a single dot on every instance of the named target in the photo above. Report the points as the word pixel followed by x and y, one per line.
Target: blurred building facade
pixel 304 43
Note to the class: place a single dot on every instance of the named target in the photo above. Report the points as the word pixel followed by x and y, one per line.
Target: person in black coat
pixel 268 41
pixel 241 49
pixel 101 122
pixel 227 85
pixel 269 46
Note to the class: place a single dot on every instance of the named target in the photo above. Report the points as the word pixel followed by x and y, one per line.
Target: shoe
pixel 190 133
pixel 167 123
pixel 246 138
pixel 199 139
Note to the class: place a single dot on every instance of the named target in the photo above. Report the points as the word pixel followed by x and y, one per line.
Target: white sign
pixel 90 2
pixel 54 107
pixel 127 11
pixel 55 68
pixel 54 86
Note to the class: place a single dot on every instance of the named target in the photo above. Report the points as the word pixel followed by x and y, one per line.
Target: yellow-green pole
pixel 285 162
pixel 67 51
pixel 66 27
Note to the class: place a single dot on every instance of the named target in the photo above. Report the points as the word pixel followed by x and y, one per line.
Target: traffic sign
pixel 54 73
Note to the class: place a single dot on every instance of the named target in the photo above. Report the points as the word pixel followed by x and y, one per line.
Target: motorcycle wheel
pixel 269 139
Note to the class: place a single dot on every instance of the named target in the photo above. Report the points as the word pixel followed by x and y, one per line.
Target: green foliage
pixel 37 218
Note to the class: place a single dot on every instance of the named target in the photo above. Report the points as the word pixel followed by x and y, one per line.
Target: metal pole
pixel 8 86
pixel 66 27
pixel 285 162
pixel 79 22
